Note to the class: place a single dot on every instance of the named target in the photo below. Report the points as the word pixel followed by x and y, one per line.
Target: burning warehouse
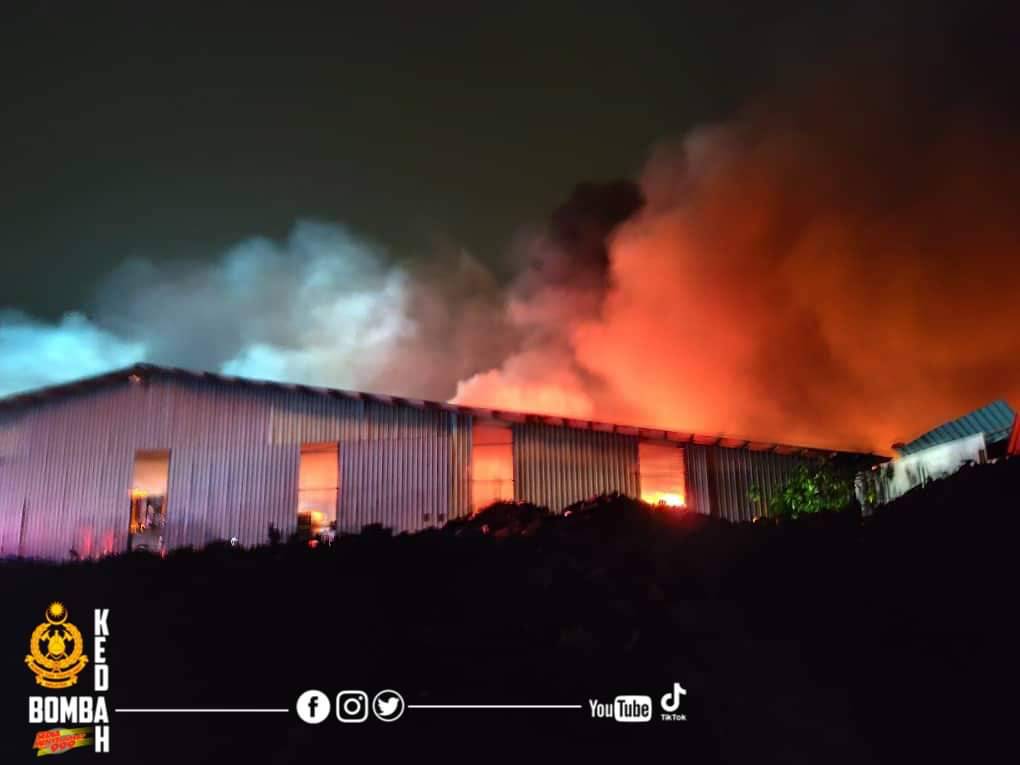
pixel 163 458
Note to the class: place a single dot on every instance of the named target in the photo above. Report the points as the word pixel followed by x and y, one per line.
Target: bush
pixel 503 518
pixel 810 489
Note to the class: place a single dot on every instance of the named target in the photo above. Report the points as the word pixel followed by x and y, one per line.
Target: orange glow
pixel 492 465
pixel 563 395
pixel 775 287
pixel 319 468
pixel 667 499
pixel 317 521
pixel 151 473
pixel 319 484
pixel 661 474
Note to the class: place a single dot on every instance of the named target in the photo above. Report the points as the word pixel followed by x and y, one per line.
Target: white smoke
pixel 34 353
pixel 322 307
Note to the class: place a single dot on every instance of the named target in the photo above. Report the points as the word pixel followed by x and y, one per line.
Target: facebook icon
pixel 313 707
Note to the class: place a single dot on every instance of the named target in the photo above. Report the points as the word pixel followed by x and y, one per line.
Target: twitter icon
pixel 388 705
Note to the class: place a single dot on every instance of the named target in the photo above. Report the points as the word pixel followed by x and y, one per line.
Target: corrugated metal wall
pixel 719 479
pixel 66 464
pixel 460 465
pixel 234 455
pixel 10 464
pixel 557 466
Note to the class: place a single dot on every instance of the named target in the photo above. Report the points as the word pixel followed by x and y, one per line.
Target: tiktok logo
pixel 671 704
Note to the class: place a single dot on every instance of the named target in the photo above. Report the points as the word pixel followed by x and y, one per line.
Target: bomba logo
pixel 56 658
pixel 55 650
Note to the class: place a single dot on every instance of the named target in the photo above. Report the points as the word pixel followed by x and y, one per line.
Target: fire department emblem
pixel 55 651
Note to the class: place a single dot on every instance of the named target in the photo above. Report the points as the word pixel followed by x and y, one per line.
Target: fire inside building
pixel 160 458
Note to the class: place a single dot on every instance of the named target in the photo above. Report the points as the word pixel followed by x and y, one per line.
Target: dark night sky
pixel 128 129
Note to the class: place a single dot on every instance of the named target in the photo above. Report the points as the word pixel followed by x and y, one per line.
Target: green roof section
pixel 995 420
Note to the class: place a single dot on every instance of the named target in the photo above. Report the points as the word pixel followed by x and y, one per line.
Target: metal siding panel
pixel 234 456
pixel 460 469
pixel 736 471
pixel 697 481
pixel 556 466
pixel 726 482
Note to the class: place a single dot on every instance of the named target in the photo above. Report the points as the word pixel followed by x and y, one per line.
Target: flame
pixel 316 519
pixel 664 498
pixel 777 278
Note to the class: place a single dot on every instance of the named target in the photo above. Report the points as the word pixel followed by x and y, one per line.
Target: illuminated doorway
pixel 318 489
pixel 492 465
pixel 661 474
pixel 148 500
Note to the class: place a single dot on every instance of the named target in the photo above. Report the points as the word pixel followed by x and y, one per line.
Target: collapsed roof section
pixel 994 420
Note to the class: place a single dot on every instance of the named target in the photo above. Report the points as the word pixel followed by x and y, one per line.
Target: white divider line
pixel 203 711
pixel 494 706
pixel 409 706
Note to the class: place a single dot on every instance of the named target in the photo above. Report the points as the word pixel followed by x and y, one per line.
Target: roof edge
pixel 979 420
pixel 145 370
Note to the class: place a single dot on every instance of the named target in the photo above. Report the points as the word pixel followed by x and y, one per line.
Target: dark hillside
pixel 824 640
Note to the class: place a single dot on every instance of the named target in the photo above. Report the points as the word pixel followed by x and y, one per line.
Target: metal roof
pixel 994 420
pixel 139 372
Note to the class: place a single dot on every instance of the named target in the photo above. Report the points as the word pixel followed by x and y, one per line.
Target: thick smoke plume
pixel 322 307
pixel 841 269
pixel 565 281
pixel 837 267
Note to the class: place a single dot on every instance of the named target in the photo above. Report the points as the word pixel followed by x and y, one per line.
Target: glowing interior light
pixel 668 499
pixel 661 474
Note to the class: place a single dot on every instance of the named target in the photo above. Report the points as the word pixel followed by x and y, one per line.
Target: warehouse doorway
pixel 661 474
pixel 149 481
pixel 318 491
pixel 492 464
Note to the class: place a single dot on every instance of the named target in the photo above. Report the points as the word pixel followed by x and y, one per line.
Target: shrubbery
pixel 809 490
